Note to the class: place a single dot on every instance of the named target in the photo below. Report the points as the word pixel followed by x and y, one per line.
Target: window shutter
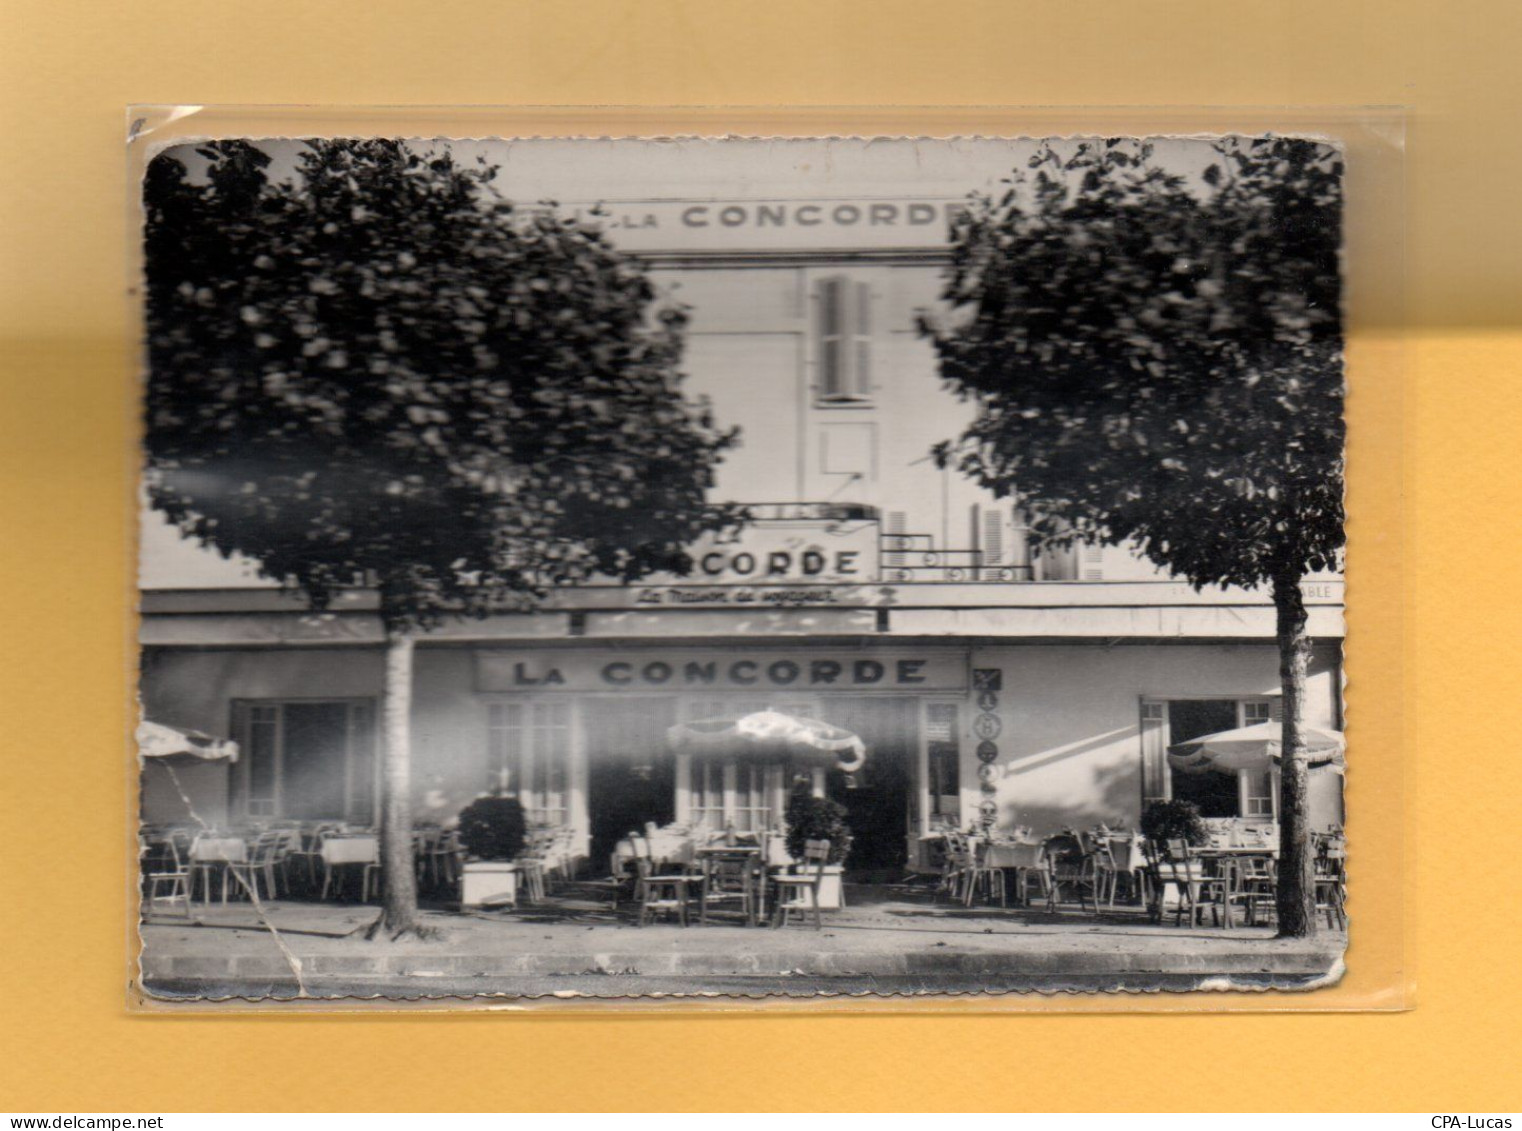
pixel 845 338
pixel 1156 782
pixel 832 345
pixel 993 537
pixel 893 545
pixel 363 768
pixel 1256 711
pixel 238 773
pixel 1058 564
pixel 860 380
pixel 1020 542
pixel 1092 567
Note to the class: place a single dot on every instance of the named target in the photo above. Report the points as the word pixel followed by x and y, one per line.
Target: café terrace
pixel 992 688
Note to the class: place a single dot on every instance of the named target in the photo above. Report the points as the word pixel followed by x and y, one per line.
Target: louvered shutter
pixel 893 543
pixel 845 338
pixel 993 537
pixel 1156 782
pixel 833 357
pixel 1091 566
pixel 859 380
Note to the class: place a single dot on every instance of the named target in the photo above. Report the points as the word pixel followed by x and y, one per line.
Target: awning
pixel 771 736
pixel 1256 747
pixel 158 740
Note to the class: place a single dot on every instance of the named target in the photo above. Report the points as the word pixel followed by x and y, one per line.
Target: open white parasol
pixel 771 736
pixel 1255 747
pixel 159 740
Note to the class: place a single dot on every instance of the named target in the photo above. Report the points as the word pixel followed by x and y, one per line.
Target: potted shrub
pixel 816 818
pixel 1163 821
pixel 492 831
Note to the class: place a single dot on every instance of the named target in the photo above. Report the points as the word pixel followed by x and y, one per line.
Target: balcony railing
pixel 910 558
pixel 811 512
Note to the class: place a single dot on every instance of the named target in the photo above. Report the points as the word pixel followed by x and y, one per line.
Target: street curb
pixel 1295 963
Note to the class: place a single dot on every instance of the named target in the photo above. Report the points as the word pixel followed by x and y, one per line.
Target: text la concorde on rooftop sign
pixel 759 225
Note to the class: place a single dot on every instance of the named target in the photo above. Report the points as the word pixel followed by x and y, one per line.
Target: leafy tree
pixel 372 368
pixel 1155 360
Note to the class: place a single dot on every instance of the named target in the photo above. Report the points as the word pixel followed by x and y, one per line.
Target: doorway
pixel 876 797
pixel 631 774
pixel 1215 793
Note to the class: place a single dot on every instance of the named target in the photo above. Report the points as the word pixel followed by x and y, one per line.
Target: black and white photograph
pixel 741 568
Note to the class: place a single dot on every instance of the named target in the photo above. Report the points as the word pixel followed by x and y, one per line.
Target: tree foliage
pixel 371 366
pixel 1155 358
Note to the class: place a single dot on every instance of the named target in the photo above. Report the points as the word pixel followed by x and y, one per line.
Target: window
pixel 1000 539
pixel 1077 561
pixel 943 757
pixel 529 750
pixel 844 342
pixel 1259 793
pixel 731 793
pixel 305 759
pixel 707 803
pixel 753 784
pixel 1217 794
pixel 1243 793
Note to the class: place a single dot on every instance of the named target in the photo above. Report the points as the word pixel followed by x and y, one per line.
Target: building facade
pixel 872 590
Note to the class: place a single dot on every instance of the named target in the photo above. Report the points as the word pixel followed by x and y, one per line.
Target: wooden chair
pixel 1331 881
pixel 614 883
pixel 732 881
pixel 451 858
pixel 262 861
pixel 291 860
pixel 982 874
pixel 304 857
pixel 659 893
pixel 533 866
pixel 800 892
pixel 339 852
pixel 1030 876
pixel 1023 862
pixel 1106 870
pixel 1255 886
pixel 210 857
pixel 1128 856
pixel 1153 855
pixel 1196 887
pixel 168 880
pixel 954 867
pixel 1069 864
pixel 424 838
pixel 774 861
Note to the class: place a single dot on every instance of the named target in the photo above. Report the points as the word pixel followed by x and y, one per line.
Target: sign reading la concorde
pixel 759 225
pixel 742 668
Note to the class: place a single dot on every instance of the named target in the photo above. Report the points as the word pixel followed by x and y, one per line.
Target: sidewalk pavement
pixel 888 938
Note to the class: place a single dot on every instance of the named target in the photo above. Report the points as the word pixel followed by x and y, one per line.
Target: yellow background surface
pixel 1431 579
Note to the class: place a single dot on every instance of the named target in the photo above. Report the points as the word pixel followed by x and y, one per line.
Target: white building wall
pixel 1070 743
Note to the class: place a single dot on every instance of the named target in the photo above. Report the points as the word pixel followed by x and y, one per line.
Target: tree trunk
pixel 1297 865
pixel 398 869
